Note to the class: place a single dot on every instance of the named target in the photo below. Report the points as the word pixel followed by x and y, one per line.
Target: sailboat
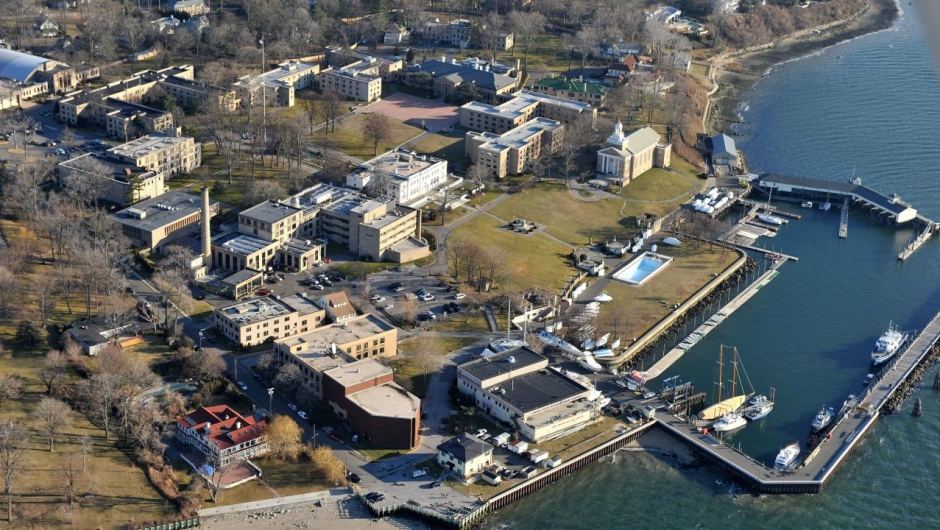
pixel 616 344
pixel 499 345
pixel 732 420
pixel 727 406
pixel 602 341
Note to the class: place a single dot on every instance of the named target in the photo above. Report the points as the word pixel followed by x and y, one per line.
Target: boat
pixel 500 345
pixel 806 204
pixel 730 422
pixel 786 458
pixel 823 418
pixel 603 297
pixel 588 344
pixel 868 379
pixel 825 206
pixel 587 362
pixel 770 219
pixel 550 339
pixel 772 256
pixel 758 407
pixel 602 341
pixel 603 352
pixel 615 344
pixel 731 404
pixel 887 345
pixel 603 401
pixel 672 242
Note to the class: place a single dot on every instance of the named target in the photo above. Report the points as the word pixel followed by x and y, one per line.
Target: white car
pixel 459 296
pixel 292 406
pixel 242 386
pixel 479 433
pixel 418 473
pixel 376 297
pixel 302 414
pixel 379 300
pixel 427 297
pixel 387 307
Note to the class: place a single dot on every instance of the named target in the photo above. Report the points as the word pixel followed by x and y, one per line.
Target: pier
pixel 918 241
pixel 844 219
pixel 837 442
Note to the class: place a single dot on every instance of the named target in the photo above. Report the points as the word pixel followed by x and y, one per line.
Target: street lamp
pixel 271 401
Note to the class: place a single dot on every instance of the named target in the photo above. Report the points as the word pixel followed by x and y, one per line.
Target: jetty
pixel 700 332
pixel 836 444
pixel 918 241
pixel 844 219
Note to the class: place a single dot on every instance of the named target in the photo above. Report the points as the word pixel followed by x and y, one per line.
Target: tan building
pixel 190 7
pixel 465 456
pixel 511 152
pixel 279 85
pixel 333 345
pixel 337 307
pixel 170 155
pixel 24 76
pixel 352 81
pixel 266 319
pixel 381 65
pixel 155 222
pixel 375 228
pixel 626 157
pixel 124 184
pixel 522 107
pixel 446 76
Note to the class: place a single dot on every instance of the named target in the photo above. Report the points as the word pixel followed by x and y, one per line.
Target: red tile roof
pixel 226 427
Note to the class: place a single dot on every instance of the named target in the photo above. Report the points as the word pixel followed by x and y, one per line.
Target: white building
pixel 400 175
pixel 625 157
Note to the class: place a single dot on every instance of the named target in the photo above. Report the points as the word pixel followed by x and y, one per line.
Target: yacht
pixel 770 219
pixel 823 418
pixel 587 361
pixel 729 422
pixel 786 458
pixel 888 344
pixel 758 407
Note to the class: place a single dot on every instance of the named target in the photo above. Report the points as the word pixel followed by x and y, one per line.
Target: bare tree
pixel 70 476
pixel 479 174
pixel 527 26
pixel 288 377
pixel 14 442
pixel 11 385
pixel 377 128
pixel 87 445
pixel 52 416
pixel 586 40
pixel 331 108
pixel 456 251
pixel 215 471
pixel 263 190
pixel 102 392
pixel 53 371
pixel 203 366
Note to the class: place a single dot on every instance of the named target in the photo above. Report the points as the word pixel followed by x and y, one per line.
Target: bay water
pixel 868 108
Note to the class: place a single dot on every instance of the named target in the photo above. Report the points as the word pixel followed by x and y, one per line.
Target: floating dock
pixel 918 241
pixel 820 465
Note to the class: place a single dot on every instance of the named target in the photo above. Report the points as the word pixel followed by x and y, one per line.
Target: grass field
pixel 658 184
pixel 447 146
pixel 350 140
pixel 482 199
pixel 471 321
pixel 635 309
pixel 448 218
pixel 530 260
pixel 574 221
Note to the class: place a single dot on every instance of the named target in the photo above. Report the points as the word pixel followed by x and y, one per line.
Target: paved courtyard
pixel 430 113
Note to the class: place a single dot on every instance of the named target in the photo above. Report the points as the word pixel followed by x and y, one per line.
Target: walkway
pixel 331 494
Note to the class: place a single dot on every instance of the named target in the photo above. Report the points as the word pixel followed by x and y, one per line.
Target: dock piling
pixel 918 409
pixel 936 382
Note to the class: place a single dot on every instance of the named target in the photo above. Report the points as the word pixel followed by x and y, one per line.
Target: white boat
pixel 730 422
pixel 672 242
pixel 588 344
pixel 551 340
pixel 786 458
pixel 587 362
pixel 758 407
pixel 823 418
pixel 770 219
pixel 602 341
pixel 888 345
pixel 616 344
pixel 603 352
pixel 500 345
pixel 603 297
pixel 602 401
pixel 806 204
pixel 825 206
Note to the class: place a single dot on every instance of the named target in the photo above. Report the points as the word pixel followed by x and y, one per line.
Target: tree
pixel 53 370
pixel 526 27
pixel 586 40
pixel 465 93
pixel 70 476
pixel 11 385
pixel 377 128
pixel 410 56
pixel 284 438
pixel 327 465
pixel 14 442
pixel 28 333
pixel 456 247
pixel 203 366
pixel 219 470
pixel 52 416
pixel 331 108
pixel 45 289
pixel 288 377
pixel 102 393
pixel 263 190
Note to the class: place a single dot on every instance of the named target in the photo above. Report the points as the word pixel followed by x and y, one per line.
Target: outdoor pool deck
pixel 639 270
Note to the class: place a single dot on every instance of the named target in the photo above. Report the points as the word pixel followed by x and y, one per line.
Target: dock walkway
pixel 823 461
pixel 700 332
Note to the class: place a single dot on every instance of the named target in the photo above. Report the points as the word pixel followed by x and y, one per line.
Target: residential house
pixel 578 89
pixel 47 27
pixel 222 435
pixel 166 25
pixel 191 7
pixel 337 307
pixel 95 335
pixel 667 15
pixel 465 456
pixel 625 157
pixel 396 34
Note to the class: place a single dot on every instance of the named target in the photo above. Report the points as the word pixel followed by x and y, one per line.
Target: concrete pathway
pixel 331 494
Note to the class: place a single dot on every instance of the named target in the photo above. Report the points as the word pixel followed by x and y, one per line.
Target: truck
pixel 538 455
pixel 518 447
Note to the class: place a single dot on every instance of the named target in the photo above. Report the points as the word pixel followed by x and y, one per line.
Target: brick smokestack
pixel 206 243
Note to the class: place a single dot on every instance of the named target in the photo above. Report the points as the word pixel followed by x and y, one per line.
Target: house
pixel 166 25
pixel 576 89
pixel 723 150
pixel 396 34
pixel 196 24
pixel 95 335
pixel 190 7
pixel 337 307
pixel 667 15
pixel 465 456
pixel 617 73
pixel 47 27
pixel 222 435
pixel 626 157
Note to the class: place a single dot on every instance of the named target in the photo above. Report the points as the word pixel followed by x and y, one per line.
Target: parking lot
pixel 393 287
pixel 46 136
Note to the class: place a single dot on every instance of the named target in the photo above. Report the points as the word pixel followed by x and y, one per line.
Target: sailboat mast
pixel 734 371
pixel 721 363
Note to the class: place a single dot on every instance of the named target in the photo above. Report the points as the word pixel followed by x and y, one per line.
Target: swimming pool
pixel 642 269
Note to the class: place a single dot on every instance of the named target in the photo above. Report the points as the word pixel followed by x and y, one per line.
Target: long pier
pixel 818 466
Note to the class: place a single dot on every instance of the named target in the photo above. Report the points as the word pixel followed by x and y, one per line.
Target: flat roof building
pixel 511 152
pixel 124 184
pixel 279 85
pixel 160 220
pixel 168 154
pixel 516 386
pixel 268 318
pixel 353 81
pixel 380 65
pixel 400 175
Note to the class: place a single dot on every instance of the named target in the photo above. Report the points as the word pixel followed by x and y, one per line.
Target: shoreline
pixel 738 71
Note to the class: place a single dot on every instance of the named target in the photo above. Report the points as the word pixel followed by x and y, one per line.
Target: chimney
pixel 206 243
pixel 238 425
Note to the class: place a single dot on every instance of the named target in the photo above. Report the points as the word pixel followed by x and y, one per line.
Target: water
pixel 865 107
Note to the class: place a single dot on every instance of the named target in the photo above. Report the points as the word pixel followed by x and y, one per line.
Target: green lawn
pixel 530 260
pixel 468 321
pixel 350 140
pixel 435 345
pixel 414 373
pixel 482 199
pixel 659 184
pixel 567 218
pixel 291 478
pixel 449 147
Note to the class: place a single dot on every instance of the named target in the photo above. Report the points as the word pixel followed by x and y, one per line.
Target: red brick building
pixel 220 432
pixel 364 394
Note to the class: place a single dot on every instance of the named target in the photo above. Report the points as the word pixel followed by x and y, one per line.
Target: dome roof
pixel 19 66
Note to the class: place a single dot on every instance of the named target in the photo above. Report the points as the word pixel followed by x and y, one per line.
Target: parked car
pixel 263 292
pixel 480 432
pixel 437 484
pixel 459 296
pixel 427 297
pixel 354 478
pixel 242 386
pixel 418 473
pixel 317 287
pixel 387 307
pixel 292 407
pixel 379 299
pixel 302 414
